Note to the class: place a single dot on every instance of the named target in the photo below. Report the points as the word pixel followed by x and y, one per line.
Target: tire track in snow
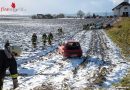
pixel 71 72
pixel 87 75
pixel 67 68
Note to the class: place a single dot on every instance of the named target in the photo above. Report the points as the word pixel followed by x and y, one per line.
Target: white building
pixel 123 9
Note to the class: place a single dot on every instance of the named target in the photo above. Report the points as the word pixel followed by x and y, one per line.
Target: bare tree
pixel 80 14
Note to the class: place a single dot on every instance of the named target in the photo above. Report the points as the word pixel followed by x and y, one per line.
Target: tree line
pixel 47 16
pixel 79 14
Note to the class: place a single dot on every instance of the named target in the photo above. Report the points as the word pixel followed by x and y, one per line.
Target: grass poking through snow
pixel 120 34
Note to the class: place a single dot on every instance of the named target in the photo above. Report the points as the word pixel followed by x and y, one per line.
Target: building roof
pixel 121 5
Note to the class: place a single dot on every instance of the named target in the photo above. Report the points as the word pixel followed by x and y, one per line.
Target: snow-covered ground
pixel 45 68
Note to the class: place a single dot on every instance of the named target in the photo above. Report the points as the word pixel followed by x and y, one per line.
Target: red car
pixel 70 49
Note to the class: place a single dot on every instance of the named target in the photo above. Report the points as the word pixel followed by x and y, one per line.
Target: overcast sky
pixel 60 6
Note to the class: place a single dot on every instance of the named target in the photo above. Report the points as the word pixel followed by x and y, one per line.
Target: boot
pixel 15 83
pixel 1 87
pixel 1 84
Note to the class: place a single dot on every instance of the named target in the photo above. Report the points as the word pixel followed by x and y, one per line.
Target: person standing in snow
pixel 7 60
pixel 50 38
pixel 60 31
pixel 44 39
pixel 34 40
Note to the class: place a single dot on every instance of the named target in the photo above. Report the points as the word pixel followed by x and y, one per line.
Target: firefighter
pixel 60 31
pixel 34 40
pixel 44 39
pixel 8 61
pixel 50 38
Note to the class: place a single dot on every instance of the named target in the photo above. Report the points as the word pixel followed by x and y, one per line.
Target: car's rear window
pixel 72 46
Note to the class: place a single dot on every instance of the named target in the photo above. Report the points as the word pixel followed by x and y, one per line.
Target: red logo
pixel 13 5
pixel 12 8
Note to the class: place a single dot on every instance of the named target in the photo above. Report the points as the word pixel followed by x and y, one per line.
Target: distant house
pixel 123 9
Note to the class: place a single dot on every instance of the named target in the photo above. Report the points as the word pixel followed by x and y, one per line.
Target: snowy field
pixel 45 69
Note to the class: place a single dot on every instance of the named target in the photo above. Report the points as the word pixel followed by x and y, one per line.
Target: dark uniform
pixel 8 61
pixel 34 40
pixel 50 38
pixel 44 38
pixel 60 32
